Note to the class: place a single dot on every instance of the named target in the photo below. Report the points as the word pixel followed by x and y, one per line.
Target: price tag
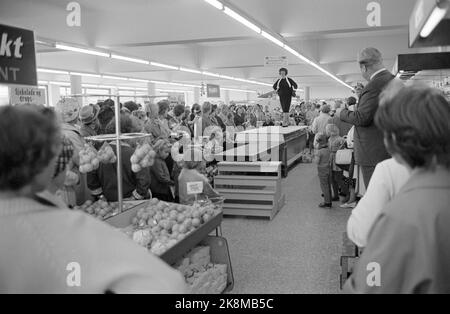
pixel 194 187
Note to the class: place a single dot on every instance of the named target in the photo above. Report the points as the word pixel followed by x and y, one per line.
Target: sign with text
pixel 212 91
pixel 194 187
pixel 20 95
pixel 17 56
pixel 276 61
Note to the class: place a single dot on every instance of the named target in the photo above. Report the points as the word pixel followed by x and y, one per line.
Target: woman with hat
pixel 285 87
pixel 90 125
pixel 69 110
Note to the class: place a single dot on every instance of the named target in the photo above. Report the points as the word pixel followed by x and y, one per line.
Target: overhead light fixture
pixel 228 77
pixel 211 74
pixel 52 71
pixel 124 58
pixel 85 74
pixel 241 20
pixel 111 77
pixel 272 39
pixel 238 90
pixel 82 50
pixel 190 70
pixel 138 80
pixel 43 82
pixel 215 3
pixel 162 65
pixel 434 19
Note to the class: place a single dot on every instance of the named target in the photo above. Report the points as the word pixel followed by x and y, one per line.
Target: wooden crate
pixel 250 188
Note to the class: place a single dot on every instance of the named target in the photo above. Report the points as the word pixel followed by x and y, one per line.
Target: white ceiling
pixel 192 33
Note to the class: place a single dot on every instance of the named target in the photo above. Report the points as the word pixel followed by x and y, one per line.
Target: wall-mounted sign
pixel 276 61
pixel 20 95
pixel 212 91
pixel 17 56
pixel 194 187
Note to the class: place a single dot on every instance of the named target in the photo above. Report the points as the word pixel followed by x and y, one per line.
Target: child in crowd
pixel 323 167
pixel 161 182
pixel 335 142
pixel 191 173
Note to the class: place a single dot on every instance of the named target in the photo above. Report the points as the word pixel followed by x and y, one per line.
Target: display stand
pixel 118 137
pixel 250 188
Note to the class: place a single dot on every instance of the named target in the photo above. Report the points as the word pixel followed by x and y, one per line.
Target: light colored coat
pixel 38 242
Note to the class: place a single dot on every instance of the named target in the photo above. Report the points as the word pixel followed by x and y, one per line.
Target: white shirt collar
pixel 377 72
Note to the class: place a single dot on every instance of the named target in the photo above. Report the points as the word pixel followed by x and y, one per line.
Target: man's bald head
pixel 370 56
pixel 370 61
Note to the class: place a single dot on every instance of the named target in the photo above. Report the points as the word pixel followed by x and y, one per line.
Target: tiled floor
pixel 298 251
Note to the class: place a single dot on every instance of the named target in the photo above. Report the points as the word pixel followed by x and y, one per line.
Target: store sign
pixel 276 61
pixel 212 91
pixel 17 56
pixel 194 187
pixel 20 95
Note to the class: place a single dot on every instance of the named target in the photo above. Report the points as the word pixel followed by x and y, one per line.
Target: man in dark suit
pixel 368 139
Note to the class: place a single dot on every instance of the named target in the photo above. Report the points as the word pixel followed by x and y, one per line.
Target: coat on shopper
pixel 410 241
pixel 369 145
pixel 104 179
pixel 160 180
pixel 51 246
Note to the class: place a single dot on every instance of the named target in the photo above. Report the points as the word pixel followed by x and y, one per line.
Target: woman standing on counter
pixel 285 87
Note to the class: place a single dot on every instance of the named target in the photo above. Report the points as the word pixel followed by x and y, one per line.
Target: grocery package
pixel 106 154
pixel 168 223
pixel 202 276
pixel 88 159
pixel 142 157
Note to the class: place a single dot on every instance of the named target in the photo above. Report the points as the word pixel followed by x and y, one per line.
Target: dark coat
pixel 368 139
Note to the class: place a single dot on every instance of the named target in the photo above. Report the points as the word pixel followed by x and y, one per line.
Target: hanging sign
pixel 212 91
pixel 20 95
pixel 17 56
pixel 276 61
pixel 194 187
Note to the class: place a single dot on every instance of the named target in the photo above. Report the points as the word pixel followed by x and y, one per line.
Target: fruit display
pixel 106 154
pixel 88 159
pixel 202 276
pixel 142 157
pixel 168 223
pixel 102 209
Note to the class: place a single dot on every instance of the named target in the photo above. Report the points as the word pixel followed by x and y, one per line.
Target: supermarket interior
pixel 224 146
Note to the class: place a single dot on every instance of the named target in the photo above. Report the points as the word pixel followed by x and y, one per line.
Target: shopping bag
pixel 343 157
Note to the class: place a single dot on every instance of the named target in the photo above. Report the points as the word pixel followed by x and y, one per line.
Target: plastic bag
pixel 143 157
pixel 88 159
pixel 106 154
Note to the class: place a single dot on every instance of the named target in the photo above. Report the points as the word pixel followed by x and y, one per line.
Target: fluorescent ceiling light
pixel 227 77
pixel 82 50
pixel 242 20
pixel 211 74
pixel 215 3
pixel 138 80
pixel 43 82
pixel 124 58
pixel 115 77
pixel 85 74
pixel 190 70
pixel 162 65
pixel 238 90
pixel 52 71
pixel 272 39
pixel 433 20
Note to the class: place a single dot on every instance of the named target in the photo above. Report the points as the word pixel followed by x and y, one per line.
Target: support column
pixel 53 95
pixel 151 89
pixel 226 95
pixel 196 95
pixel 307 93
pixel 75 87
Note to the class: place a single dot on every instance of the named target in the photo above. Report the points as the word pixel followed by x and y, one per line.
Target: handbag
pixel 343 157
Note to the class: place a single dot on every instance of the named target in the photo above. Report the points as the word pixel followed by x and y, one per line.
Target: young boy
pixel 323 168
pixel 160 175
pixel 335 142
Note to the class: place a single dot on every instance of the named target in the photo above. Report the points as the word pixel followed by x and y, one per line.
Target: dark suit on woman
pixel 368 139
